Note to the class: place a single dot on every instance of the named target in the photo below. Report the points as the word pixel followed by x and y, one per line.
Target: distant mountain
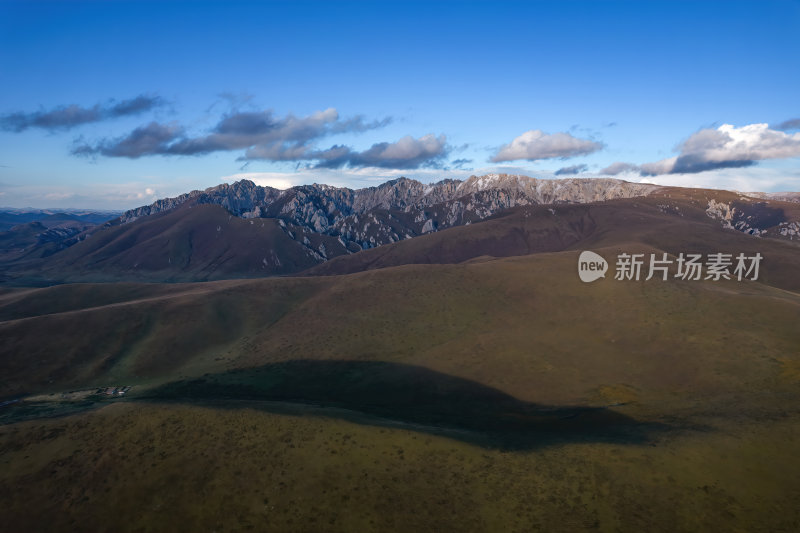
pixel 10 216
pixel 245 230
pixel 782 196
pixel 30 234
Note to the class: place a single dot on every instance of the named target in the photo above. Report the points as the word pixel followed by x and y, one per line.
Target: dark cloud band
pixel 428 151
pixel 70 116
pixel 266 137
pixel 574 169
pixel 791 124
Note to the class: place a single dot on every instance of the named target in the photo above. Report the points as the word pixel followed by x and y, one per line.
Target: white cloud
pixel 619 167
pixel 535 144
pixel 754 141
pixel 665 166
pixel 725 147
pixel 148 194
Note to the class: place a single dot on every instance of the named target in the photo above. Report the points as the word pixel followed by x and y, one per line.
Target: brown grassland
pixel 490 394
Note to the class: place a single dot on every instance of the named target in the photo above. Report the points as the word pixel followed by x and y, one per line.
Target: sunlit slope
pixel 190 243
pixel 672 220
pixel 489 395
pixel 526 326
pixel 200 242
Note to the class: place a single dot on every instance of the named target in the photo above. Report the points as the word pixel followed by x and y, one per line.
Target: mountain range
pixel 402 357
pixel 245 230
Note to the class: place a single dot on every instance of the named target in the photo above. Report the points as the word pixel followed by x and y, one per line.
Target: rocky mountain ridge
pixel 245 230
pixel 395 210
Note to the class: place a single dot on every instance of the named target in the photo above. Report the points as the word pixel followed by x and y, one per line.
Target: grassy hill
pixel 673 220
pixel 202 242
pixel 190 243
pixel 469 392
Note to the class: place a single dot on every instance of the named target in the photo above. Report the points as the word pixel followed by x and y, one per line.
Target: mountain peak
pixel 246 199
pixel 283 232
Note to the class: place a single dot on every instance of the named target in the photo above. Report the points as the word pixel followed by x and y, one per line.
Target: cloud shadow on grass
pixel 410 397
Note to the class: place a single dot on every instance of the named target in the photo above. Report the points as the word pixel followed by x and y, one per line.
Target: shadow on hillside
pixel 410 397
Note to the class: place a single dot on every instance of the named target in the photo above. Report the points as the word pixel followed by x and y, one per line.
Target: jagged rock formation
pixel 245 230
pixel 395 210
pixel 753 218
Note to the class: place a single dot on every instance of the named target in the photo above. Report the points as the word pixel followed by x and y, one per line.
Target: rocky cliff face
pixel 395 210
pixel 242 199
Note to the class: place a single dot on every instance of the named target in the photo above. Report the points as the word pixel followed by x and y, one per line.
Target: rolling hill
pixel 464 379
pixel 433 380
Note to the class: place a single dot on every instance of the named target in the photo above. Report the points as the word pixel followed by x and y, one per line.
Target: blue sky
pixel 112 104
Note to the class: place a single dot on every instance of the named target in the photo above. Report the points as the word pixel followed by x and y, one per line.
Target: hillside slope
pixel 673 221
pixel 488 394
pixel 190 243
pixel 323 221
pixel 197 241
